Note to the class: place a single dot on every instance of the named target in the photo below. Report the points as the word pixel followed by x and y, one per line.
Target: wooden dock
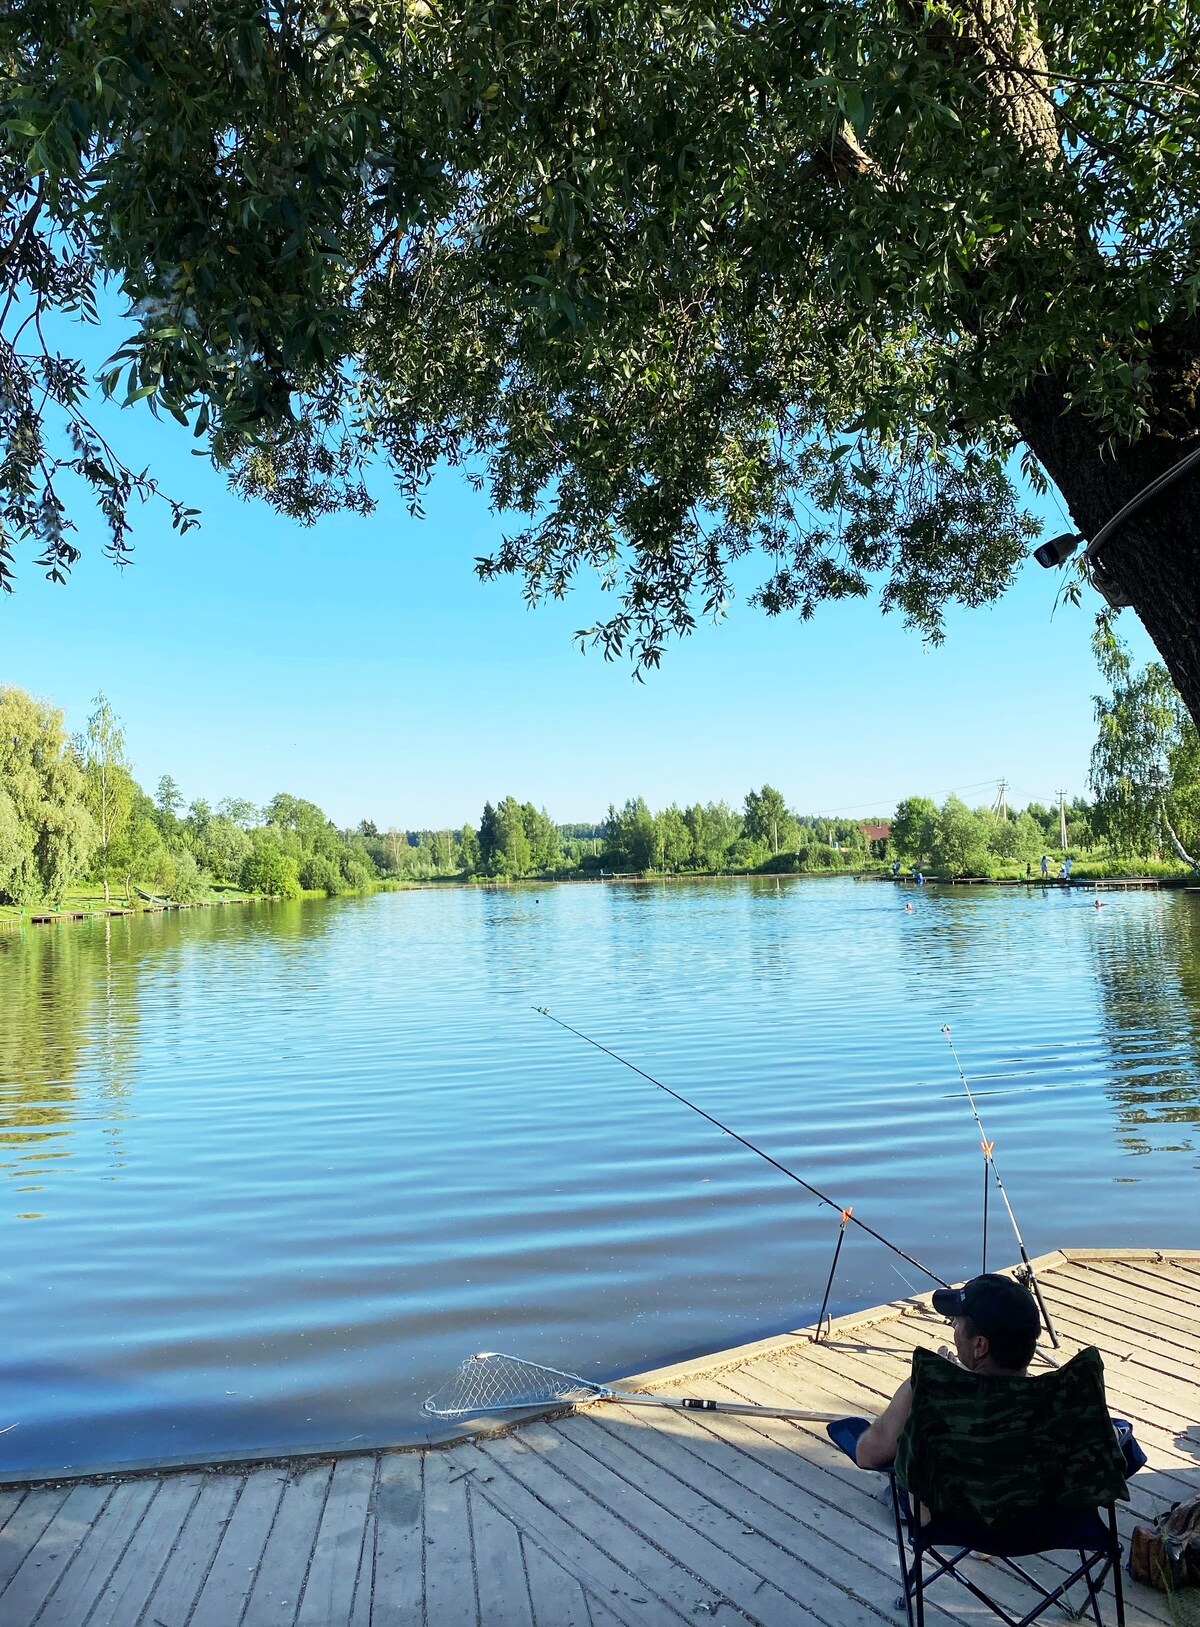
pixel 605 1516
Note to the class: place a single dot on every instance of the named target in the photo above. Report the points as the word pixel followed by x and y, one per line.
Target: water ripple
pixel 271 1174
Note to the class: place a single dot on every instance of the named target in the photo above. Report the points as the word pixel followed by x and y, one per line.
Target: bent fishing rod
pixel 847 1214
pixel 990 1163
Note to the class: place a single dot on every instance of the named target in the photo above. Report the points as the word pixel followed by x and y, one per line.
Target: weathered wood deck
pixel 609 1515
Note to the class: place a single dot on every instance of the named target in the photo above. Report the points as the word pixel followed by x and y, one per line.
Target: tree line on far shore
pixel 71 812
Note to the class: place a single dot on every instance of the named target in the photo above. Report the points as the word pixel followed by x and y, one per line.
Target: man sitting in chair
pixel 980 1465
pixel 996 1325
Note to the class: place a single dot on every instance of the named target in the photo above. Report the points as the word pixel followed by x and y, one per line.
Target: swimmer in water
pixel 908 907
pixel 1099 905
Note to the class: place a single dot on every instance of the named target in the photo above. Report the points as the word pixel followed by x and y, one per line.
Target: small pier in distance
pixel 605 1515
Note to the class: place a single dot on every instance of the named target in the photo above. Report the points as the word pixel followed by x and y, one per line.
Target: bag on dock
pixel 1166 1555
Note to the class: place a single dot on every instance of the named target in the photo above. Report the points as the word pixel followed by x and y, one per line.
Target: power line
pixel 884 801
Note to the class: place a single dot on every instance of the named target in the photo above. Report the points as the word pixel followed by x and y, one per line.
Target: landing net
pixel 491 1382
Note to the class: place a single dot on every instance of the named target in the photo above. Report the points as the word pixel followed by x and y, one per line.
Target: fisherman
pixel 996 1325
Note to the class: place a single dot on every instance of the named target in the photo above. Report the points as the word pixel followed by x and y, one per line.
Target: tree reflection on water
pixel 1148 971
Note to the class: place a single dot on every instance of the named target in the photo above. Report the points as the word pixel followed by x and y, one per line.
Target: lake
pixel 272 1171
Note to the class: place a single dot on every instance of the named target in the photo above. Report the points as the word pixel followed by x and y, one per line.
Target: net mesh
pixel 491 1382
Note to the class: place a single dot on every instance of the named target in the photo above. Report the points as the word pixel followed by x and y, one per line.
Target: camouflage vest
pixel 997 1447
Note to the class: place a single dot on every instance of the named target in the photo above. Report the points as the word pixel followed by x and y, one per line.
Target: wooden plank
pixel 44 1564
pixel 275 1595
pixel 1124 1345
pixel 25 1526
pixel 99 1554
pixel 558 1599
pixel 1160 1276
pixel 580 1554
pixel 1134 1373
pixel 500 1570
pixel 878 1375
pixel 794 1550
pixel 179 1585
pixel 1170 1290
pixel 337 1552
pixel 399 1577
pixel 449 1563
pixel 598 1613
pixel 10 1502
pixel 131 1584
pixel 687 1566
pixel 1110 1294
pixel 364 1582
pixel 1178 1340
pixel 228 1583
pixel 1112 1288
pixel 1129 1254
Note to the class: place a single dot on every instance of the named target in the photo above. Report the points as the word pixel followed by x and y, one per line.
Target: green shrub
pixel 321 875
pixel 267 870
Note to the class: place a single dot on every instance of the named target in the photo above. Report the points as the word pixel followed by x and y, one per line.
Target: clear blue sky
pixel 360 663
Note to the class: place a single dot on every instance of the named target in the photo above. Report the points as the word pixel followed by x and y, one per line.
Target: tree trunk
pixel 1154 557
pixel 1177 844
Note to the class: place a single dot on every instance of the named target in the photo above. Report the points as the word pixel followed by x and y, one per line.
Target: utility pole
pixel 1000 806
pixel 775 835
pixel 1062 820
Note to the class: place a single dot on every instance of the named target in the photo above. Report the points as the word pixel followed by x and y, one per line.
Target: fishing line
pixel 990 1162
pixel 853 1219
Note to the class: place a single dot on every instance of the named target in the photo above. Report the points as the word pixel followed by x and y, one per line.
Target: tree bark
pixel 1177 844
pixel 1154 558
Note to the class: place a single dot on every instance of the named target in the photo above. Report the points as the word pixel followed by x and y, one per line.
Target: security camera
pixel 1058 550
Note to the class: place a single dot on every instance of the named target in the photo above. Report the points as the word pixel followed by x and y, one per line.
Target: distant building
pixel 877 838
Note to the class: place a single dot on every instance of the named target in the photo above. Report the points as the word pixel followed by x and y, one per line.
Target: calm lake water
pixel 273 1171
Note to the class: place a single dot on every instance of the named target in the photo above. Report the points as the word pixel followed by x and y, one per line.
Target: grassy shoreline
pixel 86 901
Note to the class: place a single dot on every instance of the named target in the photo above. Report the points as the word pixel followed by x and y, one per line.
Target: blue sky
pixel 360 663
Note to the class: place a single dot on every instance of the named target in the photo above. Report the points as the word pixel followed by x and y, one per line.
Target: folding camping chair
pixel 1008 1467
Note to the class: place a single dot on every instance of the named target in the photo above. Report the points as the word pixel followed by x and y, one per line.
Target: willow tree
pixel 46 832
pixel 830 282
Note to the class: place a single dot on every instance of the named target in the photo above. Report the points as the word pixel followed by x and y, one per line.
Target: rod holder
pixel 837 1249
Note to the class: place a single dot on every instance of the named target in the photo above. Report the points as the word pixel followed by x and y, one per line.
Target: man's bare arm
pixel 877 1446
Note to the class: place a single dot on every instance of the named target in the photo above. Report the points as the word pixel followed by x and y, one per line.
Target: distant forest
pixel 72 815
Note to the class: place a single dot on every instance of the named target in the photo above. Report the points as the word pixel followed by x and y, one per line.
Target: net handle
pixel 743 1408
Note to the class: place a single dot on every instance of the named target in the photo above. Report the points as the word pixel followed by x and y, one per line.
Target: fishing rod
pixel 989 1162
pixel 848 1216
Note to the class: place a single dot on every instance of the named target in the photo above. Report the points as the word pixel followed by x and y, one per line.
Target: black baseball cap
pixel 996 1304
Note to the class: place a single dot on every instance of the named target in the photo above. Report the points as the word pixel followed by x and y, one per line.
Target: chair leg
pixel 902 1551
pixel 1118 1590
pixel 1090 1583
